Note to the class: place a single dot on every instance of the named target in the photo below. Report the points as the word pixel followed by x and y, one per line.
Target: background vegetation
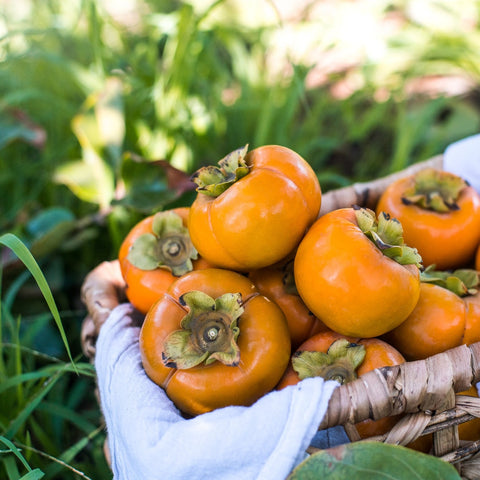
pixel 107 107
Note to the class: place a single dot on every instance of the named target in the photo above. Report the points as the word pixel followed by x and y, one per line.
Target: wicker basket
pixel 425 391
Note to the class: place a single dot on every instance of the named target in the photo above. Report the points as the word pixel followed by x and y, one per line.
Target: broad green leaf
pixel 90 181
pixel 373 461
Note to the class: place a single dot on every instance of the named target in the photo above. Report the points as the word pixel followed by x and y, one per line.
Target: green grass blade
pixel 12 448
pixel 22 417
pixel 33 475
pixel 22 252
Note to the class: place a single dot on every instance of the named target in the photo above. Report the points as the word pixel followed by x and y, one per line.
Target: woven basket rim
pixel 425 392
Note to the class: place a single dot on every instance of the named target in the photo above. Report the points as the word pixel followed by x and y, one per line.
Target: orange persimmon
pixel 446 315
pixel 355 274
pixel 440 215
pixel 337 357
pixel 253 210
pixel 155 252
pixel 213 340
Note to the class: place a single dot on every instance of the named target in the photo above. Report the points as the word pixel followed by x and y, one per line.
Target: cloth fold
pixel 149 439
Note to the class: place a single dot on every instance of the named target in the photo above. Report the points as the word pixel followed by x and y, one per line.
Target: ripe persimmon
pixel 440 215
pixel 338 357
pixel 254 208
pixel 355 273
pixel 213 340
pixel 446 315
pixel 155 252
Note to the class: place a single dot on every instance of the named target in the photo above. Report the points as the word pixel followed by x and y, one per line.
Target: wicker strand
pixel 367 194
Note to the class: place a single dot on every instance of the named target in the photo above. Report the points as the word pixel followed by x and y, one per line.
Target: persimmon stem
pixel 213 180
pixel 435 190
pixel 167 246
pixel 462 281
pixel 387 234
pixel 209 331
pixel 339 363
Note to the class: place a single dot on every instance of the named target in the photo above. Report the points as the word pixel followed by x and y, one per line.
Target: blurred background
pixel 107 107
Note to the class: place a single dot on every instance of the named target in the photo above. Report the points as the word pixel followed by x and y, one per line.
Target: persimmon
pixel 446 315
pixel 254 208
pixel 477 258
pixel 440 215
pixel 342 358
pixel 278 284
pixel 154 253
pixel 355 274
pixel 213 340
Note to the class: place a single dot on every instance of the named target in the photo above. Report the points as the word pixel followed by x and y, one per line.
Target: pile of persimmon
pixel 248 289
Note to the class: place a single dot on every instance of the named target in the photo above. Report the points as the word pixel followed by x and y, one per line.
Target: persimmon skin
pixel 477 258
pixel 262 217
pixel 436 324
pixel 472 319
pixel 346 281
pixel 378 354
pixel 145 287
pixel 448 240
pixel 302 324
pixel 264 343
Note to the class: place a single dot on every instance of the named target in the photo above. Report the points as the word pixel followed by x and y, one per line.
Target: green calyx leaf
pixel 435 190
pixel 209 331
pixel 167 246
pixel 213 181
pixel 387 234
pixel 462 282
pixel 339 363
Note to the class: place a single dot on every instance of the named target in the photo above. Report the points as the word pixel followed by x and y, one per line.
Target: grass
pixel 89 99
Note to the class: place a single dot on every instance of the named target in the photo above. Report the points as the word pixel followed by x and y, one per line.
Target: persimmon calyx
pixel 387 234
pixel 435 190
pixel 462 282
pixel 340 363
pixel 213 181
pixel 167 246
pixel 209 331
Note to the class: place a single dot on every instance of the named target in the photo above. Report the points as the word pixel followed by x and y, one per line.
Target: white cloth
pixel 463 159
pixel 149 439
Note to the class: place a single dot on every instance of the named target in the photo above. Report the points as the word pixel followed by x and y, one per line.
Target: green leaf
pixel 22 252
pixel 91 181
pixel 373 461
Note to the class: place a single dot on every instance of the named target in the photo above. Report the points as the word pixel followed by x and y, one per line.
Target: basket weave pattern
pixel 424 392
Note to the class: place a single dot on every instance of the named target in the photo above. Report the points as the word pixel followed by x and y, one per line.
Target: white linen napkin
pixel 149 439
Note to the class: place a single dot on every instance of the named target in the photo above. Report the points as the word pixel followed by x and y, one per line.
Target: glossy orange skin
pixel 145 287
pixel 346 281
pixel 472 319
pixel 378 354
pixel 264 343
pixel 448 240
pixel 302 324
pixel 262 217
pixel 477 258
pixel 436 324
